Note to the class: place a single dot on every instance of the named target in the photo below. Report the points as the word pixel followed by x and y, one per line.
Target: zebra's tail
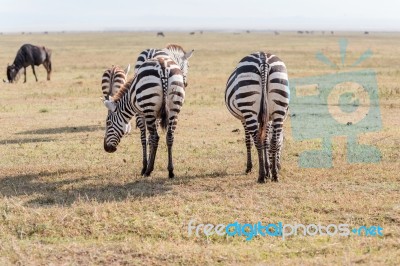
pixel 164 113
pixel 263 115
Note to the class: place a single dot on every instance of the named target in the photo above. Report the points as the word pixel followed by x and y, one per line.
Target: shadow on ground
pixel 69 190
pixel 27 140
pixel 61 130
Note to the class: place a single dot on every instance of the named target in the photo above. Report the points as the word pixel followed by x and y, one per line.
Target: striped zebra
pixel 156 93
pixel 257 94
pixel 181 58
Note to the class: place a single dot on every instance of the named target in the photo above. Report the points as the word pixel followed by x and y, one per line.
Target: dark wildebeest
pixel 29 55
pixel 160 33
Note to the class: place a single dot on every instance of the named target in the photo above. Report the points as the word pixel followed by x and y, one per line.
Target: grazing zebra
pixel 156 92
pixel 257 93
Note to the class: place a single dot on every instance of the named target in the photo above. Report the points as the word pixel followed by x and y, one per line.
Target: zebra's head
pixel 181 58
pixel 116 127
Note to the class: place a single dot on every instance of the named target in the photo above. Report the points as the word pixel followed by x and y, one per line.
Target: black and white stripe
pixel 112 81
pixel 257 93
pixel 156 93
pixel 180 57
pixel 174 51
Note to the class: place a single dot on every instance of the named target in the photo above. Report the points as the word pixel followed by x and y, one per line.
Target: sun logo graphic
pixel 344 103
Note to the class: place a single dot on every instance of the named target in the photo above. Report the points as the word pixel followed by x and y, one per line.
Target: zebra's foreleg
pixel 141 124
pixel 248 148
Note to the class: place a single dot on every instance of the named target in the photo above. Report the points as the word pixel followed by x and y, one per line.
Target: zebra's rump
pixel 244 90
pixel 149 92
pixel 112 81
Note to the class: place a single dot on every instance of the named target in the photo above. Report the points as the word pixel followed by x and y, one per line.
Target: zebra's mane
pixel 124 89
pixel 175 48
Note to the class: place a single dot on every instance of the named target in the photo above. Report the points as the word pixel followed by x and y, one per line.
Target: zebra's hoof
pixel 171 175
pixel 261 180
pixel 248 170
pixel 143 171
pixel 147 174
pixel 275 179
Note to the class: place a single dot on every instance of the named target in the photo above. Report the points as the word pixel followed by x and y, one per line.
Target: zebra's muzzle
pixel 109 148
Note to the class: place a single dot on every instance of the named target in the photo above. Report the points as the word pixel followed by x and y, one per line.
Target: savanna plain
pixel 65 201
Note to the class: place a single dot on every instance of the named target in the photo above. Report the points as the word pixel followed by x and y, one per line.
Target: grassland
pixel 63 200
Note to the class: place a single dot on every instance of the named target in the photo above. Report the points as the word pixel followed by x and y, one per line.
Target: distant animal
pixel 276 32
pixel 366 32
pixel 299 32
pixel 156 93
pixel 161 34
pixel 257 94
pixel 192 33
pixel 29 55
pixel 181 58
pixel 332 32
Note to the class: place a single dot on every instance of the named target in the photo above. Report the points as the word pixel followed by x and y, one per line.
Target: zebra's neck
pixel 124 107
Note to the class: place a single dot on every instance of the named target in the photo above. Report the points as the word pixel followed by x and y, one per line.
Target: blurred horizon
pixel 191 15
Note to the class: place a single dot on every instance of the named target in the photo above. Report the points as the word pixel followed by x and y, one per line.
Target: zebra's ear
pixel 127 69
pixel 188 54
pixel 112 106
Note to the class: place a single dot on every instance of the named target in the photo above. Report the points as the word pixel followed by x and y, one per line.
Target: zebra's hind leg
pixel 170 141
pixel 141 124
pixel 267 153
pixel 261 162
pixel 153 142
pixel 276 144
pixel 248 148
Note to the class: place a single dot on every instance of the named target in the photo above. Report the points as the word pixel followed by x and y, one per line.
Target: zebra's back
pixel 148 54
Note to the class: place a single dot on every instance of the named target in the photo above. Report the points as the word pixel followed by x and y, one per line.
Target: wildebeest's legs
pixel 24 74
pixel 47 66
pixel 34 73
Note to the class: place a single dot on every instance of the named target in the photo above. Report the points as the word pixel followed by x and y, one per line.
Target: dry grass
pixel 65 201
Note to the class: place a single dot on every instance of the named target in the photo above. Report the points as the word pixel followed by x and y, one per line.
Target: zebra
pixel 257 94
pixel 155 92
pixel 178 54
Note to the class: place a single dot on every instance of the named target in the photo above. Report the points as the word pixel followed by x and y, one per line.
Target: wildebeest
pixel 160 33
pixel 29 55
